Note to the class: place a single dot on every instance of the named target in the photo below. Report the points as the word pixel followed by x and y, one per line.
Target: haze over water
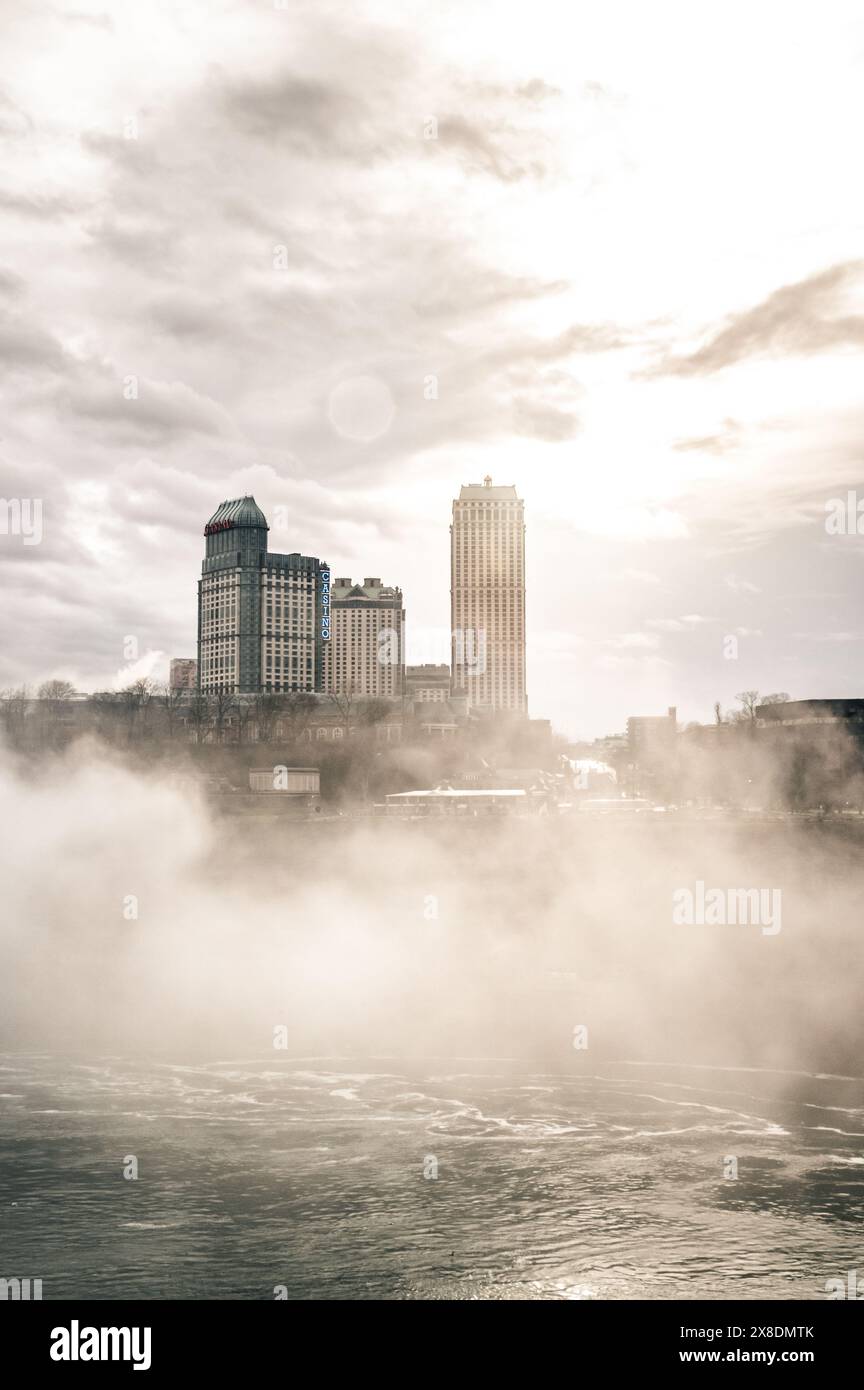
pixel 429 982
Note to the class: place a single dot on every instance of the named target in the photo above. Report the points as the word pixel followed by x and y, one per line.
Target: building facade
pixel 263 618
pixel 365 655
pixel 652 738
pixel 428 684
pixel 487 598
pixel 183 673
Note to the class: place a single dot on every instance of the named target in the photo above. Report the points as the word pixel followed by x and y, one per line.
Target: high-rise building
pixel 263 619
pixel 366 652
pixel 487 598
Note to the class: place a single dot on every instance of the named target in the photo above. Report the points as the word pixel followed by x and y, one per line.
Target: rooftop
pixel 448 792
pixel 239 511
pixel 485 492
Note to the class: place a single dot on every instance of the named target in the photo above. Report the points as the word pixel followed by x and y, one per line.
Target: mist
pixel 136 921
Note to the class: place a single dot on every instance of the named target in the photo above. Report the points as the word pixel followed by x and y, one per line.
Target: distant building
pixel 848 713
pixel 448 801
pixel 183 673
pixel 366 652
pixel 651 738
pixel 285 781
pixel 487 598
pixel 263 619
pixel 428 684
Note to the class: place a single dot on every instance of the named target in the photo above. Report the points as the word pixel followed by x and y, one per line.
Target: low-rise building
pixel 428 683
pixel 183 673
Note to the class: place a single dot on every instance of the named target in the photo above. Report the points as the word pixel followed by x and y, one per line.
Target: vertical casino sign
pixel 325 605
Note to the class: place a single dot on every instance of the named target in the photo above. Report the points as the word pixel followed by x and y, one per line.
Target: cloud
pixel 810 316
pixel 542 421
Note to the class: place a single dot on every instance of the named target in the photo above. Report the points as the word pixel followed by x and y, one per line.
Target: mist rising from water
pixel 137 920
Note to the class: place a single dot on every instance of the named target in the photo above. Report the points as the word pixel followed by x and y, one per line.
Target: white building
pixel 487 597
pixel 365 655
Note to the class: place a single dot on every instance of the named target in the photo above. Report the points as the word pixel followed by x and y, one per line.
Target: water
pixel 601 1182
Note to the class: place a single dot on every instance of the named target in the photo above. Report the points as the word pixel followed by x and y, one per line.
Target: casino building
pixel 263 619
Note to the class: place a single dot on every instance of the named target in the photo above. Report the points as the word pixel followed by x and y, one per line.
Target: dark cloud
pixel 160 411
pixel 309 115
pixel 805 317
pixel 502 151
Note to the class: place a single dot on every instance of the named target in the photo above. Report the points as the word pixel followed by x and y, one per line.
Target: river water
pixel 443 1178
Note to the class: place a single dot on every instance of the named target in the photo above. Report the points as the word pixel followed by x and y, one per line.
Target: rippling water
pixel 310 1175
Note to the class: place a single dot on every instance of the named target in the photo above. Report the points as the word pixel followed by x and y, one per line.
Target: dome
pixel 239 511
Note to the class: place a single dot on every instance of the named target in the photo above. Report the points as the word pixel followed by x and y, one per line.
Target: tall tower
pixel 366 652
pixel 487 597
pixel 263 619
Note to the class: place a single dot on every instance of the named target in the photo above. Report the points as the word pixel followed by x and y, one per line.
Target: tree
pixel 55 691
pixel 266 710
pixel 14 706
pixel 199 714
pixel 296 712
pixel 343 701
pixel 748 700
pixel 134 700
pixel 222 704
pixel 53 696
pixel 170 699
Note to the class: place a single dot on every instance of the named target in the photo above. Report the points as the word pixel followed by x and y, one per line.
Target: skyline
pixel 346 272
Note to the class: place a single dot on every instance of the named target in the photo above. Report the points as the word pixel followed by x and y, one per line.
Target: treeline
pixel 148 712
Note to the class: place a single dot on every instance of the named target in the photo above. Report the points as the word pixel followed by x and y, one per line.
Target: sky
pixel 348 256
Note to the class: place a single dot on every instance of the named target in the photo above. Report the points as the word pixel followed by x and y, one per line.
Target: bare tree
pixel 14 708
pixel 55 692
pixel 266 710
pixel 54 698
pixel 199 714
pixel 343 701
pixel 748 700
pixel 171 700
pixel 296 713
pixel 134 700
pixel 222 704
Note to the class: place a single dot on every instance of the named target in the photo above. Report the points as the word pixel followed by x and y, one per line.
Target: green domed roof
pixel 239 511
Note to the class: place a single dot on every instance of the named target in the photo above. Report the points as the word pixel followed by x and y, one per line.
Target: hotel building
pixel 366 652
pixel 487 598
pixel 263 619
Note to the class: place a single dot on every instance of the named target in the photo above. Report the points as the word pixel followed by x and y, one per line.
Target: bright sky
pixel 624 239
